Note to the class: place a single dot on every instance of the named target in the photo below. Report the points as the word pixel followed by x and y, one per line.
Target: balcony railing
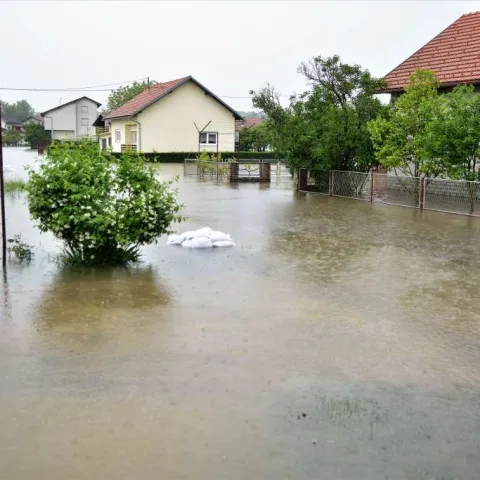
pixel 102 130
pixel 128 148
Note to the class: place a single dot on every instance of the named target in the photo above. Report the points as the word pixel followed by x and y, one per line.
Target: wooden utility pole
pixel 2 200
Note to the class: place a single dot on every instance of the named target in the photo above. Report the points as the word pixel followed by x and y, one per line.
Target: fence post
pixel 217 171
pixel 372 176
pixel 422 192
pixel 331 183
pixel 302 180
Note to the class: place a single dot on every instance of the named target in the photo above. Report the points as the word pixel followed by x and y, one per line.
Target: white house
pixel 176 116
pixel 72 120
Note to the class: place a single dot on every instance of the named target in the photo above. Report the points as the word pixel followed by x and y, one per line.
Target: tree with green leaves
pixel 19 111
pixel 124 93
pixel 102 209
pixel 452 137
pixel 255 138
pixel 399 139
pixel 11 137
pixel 36 135
pixel 325 127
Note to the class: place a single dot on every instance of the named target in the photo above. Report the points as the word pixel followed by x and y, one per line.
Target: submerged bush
pixel 14 185
pixel 21 250
pixel 103 210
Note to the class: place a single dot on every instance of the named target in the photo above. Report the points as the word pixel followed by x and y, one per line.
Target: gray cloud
pixel 231 47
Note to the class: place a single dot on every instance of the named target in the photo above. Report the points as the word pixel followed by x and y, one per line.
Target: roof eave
pixel 236 115
pixel 442 85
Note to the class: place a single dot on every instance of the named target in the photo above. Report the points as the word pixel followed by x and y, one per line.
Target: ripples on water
pixel 338 340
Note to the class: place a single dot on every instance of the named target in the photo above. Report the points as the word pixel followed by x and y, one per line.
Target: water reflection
pixel 95 305
pixel 332 320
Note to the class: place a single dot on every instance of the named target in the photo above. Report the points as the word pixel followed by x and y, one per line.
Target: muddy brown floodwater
pixel 338 340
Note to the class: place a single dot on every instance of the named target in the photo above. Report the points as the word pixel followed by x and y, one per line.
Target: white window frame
pixel 206 144
pixel 118 135
pixel 84 122
pixel 84 108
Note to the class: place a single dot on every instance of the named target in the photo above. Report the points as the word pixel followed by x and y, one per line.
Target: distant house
pixel 454 56
pixel 72 120
pixel 247 122
pixel 37 118
pixel 251 122
pixel 13 123
pixel 176 116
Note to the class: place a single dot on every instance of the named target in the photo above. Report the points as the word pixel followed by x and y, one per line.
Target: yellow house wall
pixel 168 125
pixel 125 127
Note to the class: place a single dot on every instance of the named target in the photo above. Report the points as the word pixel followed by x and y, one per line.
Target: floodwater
pixel 338 340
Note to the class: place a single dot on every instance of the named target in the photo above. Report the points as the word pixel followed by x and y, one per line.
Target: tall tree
pixel 19 111
pixel 11 137
pixel 325 127
pixel 452 137
pixel 255 138
pixel 124 93
pixel 399 140
pixel 36 135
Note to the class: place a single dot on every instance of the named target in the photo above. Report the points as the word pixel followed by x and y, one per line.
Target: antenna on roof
pixel 148 83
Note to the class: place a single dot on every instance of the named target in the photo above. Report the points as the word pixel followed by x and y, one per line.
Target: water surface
pixel 338 340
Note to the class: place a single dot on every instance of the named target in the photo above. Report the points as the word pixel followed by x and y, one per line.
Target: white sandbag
pixel 175 240
pixel 224 243
pixel 187 244
pixel 198 242
pixel 217 236
pixel 201 232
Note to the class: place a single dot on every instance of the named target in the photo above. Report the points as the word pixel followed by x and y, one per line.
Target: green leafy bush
pixel 102 210
pixel 14 185
pixel 179 157
pixel 22 251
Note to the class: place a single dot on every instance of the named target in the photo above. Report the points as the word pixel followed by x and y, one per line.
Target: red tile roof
pixel 252 122
pixel 156 92
pixel 145 98
pixel 454 55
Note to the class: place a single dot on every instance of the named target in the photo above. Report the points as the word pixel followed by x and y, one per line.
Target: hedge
pixel 179 157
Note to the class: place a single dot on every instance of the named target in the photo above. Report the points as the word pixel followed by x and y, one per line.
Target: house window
pixel 208 138
pixel 109 141
pixel 84 122
pixel 84 109
pixel 118 136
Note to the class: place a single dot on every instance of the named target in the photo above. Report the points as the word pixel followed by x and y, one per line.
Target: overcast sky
pixel 230 47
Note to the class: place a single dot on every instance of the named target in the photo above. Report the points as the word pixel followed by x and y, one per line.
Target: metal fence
pixel 443 195
pixel 233 171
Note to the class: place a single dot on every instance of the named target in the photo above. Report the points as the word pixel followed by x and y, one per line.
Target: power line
pixel 110 84
pixel 99 88
pixel 93 89
pixel 73 89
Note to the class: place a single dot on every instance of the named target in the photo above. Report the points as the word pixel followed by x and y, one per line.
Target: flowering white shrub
pixel 101 207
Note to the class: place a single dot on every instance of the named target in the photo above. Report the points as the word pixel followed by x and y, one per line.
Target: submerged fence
pixel 232 171
pixel 443 195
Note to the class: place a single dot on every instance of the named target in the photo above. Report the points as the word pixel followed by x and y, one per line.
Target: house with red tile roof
pixel 180 115
pixel 454 56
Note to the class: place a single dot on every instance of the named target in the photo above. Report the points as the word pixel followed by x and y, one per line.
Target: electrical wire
pixel 97 88
pixel 74 89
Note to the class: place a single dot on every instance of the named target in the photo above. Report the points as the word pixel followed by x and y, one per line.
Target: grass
pixel 14 185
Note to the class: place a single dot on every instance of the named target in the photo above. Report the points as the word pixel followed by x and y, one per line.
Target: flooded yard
pixel 338 340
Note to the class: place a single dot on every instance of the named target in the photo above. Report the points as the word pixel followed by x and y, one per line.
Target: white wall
pixel 90 115
pixel 168 125
pixel 67 120
pixel 125 127
pixel 62 119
